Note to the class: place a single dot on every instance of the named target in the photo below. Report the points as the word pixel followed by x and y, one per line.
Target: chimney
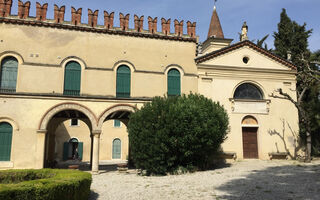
pixel 59 14
pixel 191 29
pixel 41 13
pixel 76 16
pixel 289 56
pixel 108 20
pixel 165 26
pixel 152 24
pixel 124 22
pixel 23 9
pixel 138 23
pixel 178 27
pixel 244 32
pixel 93 18
pixel 5 8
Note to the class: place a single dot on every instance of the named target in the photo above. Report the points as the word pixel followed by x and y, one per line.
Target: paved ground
pixel 247 180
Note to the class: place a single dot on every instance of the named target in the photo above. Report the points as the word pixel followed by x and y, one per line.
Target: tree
pixel 170 133
pixel 292 37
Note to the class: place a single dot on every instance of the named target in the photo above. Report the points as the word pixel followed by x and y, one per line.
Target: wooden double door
pixel 250 142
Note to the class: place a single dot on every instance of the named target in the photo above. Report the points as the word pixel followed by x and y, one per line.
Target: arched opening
pixel 8 74
pixel 123 84
pixel 63 124
pixel 5 141
pixel 114 148
pixel 72 79
pixel 174 82
pixel 250 137
pixel 248 91
pixel 63 138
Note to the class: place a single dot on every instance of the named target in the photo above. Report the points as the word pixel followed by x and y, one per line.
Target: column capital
pixel 96 132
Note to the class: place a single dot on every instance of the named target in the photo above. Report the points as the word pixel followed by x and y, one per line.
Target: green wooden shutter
pixel 117 123
pixel 9 70
pixel 65 151
pixel 174 83
pixel 123 81
pixel 116 149
pixel 72 79
pixel 80 150
pixel 5 141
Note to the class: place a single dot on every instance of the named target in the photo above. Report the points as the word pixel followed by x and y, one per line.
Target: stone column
pixel 40 148
pixel 96 149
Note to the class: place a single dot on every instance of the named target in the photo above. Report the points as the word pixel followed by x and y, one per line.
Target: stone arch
pixel 115 108
pixel 14 124
pixel 12 54
pixel 174 66
pixel 75 59
pixel 249 121
pixel 124 62
pixel 67 106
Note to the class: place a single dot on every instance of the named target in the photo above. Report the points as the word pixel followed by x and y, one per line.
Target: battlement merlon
pixel 59 20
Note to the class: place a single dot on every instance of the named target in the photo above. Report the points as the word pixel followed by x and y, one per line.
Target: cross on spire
pixel 215 2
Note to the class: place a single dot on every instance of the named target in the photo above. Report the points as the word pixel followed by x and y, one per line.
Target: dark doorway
pixel 250 142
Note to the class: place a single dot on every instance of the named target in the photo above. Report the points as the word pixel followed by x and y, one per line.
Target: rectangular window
pixel 117 123
pixel 74 122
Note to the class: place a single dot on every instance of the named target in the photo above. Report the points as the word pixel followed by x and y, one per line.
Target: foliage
pixel 174 133
pixel 262 41
pixel 44 184
pixel 292 37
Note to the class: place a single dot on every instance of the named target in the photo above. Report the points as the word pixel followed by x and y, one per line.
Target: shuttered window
pixel 72 79
pixel 174 84
pixel 116 123
pixel 5 141
pixel 123 81
pixel 116 149
pixel 8 74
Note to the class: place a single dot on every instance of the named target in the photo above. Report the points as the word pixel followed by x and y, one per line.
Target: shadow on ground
pixel 93 195
pixel 278 183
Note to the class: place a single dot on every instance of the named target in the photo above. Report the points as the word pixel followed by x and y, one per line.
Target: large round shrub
pixel 44 184
pixel 173 132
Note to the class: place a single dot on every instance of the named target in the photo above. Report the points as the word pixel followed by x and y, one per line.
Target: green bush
pixel 170 134
pixel 44 184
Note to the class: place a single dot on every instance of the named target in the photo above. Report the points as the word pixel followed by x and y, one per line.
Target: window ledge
pixel 6 164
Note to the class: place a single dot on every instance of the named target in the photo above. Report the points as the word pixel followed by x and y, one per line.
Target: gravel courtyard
pixel 252 179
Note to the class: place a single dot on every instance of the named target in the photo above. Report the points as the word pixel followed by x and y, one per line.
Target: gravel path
pixel 247 180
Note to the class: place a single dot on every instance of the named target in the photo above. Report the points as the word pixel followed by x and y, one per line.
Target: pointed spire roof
pixel 215 28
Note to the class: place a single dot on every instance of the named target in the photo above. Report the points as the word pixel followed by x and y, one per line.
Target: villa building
pixel 67 88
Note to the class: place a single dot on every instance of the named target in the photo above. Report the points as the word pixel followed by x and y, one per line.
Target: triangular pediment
pixel 245 55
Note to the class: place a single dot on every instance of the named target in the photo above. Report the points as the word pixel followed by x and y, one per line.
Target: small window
pixel 116 149
pixel 245 60
pixel 8 74
pixel 117 123
pixel 74 122
pixel 174 85
pixel 123 82
pixel 72 79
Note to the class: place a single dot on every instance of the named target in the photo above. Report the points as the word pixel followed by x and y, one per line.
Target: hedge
pixel 44 184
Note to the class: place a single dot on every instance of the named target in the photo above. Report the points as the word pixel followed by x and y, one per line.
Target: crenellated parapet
pixel 108 27
pixel 5 8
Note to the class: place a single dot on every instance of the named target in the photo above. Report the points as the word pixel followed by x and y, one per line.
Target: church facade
pixel 67 88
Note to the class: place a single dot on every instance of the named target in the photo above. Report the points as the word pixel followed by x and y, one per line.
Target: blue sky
pixel 262 16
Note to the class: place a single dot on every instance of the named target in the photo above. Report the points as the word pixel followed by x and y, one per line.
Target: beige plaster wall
pixel 220 77
pixel 43 53
pixel 25 113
